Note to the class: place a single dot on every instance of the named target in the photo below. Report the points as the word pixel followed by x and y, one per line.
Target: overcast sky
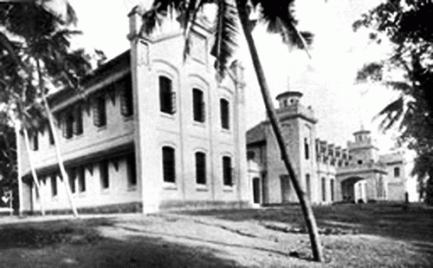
pixel 327 80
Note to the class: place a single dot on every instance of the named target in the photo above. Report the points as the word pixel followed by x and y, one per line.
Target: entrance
pixel 256 190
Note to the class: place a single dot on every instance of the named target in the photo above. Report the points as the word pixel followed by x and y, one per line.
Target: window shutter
pixel 173 102
pixel 96 113
pixel 78 121
pixel 203 112
pixel 63 124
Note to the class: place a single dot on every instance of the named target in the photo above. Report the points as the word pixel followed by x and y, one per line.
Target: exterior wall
pixel 149 129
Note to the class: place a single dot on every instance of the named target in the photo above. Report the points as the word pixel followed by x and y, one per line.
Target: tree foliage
pixel 407 25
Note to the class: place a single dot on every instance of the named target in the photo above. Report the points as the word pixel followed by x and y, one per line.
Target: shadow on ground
pixel 78 244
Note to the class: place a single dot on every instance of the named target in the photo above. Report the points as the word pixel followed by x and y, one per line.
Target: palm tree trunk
pixel 19 172
pixel 34 175
pixel 303 200
pixel 56 142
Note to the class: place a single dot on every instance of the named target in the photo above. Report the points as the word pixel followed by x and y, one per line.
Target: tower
pixel 299 131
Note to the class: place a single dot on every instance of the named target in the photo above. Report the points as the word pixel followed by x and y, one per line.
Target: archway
pixel 353 189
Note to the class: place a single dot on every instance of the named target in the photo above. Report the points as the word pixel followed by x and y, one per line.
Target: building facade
pixel 328 173
pixel 150 131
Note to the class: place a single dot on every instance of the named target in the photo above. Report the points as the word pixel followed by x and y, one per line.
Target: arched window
pixel 200 168
pixel 227 171
pixel 167 96
pixel 168 164
pixel 225 113
pixel 198 105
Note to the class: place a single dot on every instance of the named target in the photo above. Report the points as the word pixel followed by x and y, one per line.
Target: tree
pixel 279 17
pixel 406 25
pixel 36 39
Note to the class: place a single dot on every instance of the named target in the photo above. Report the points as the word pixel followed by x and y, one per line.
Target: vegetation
pixel 233 16
pixel 36 56
pixel 405 24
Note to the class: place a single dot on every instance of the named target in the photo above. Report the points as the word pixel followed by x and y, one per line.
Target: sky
pixel 326 80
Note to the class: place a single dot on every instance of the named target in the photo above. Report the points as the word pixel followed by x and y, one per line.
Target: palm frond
pixel 392 113
pixel 225 36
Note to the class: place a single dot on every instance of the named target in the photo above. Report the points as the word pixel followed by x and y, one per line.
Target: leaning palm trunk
pixel 34 175
pixel 303 200
pixel 56 143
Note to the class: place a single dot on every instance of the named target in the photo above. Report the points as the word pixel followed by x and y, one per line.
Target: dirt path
pixel 256 238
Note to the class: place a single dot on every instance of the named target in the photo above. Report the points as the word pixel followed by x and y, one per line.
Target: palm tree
pixel 279 17
pixel 41 48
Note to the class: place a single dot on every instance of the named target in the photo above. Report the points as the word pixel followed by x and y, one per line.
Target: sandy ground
pixel 245 238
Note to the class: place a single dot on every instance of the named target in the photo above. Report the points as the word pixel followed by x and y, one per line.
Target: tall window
pixel 132 174
pixel 126 98
pixel 306 149
pixel 198 105
pixel 323 189
pixel 225 113
pixel 200 168
pixel 99 112
pixel 81 179
pixel 168 164
pixel 34 141
pixel 227 171
pixel 77 120
pixel 332 189
pixel 104 174
pixel 308 185
pixel 53 179
pixel 167 97
pixel 396 172
pixel 68 120
pixel 50 135
pixel 72 179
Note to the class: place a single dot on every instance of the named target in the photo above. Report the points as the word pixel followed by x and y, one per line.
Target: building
pixel 152 132
pixel 327 172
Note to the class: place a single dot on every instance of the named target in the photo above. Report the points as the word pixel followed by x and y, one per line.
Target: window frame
pixel 200 168
pixel 169 165
pixel 167 96
pixel 198 105
pixel 225 113
pixel 227 171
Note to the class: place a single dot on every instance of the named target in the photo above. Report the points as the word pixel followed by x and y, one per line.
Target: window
pixel 131 169
pixel 53 179
pixel 168 164
pixel 227 171
pixel 99 112
pixel 167 97
pixel 307 149
pixel 50 135
pixel 126 98
pixel 81 179
pixel 332 190
pixel 200 168
pixel 308 185
pixel 251 155
pixel 68 121
pixel 359 162
pixel 72 179
pixel 323 189
pixel 34 142
pixel 225 114
pixel 396 172
pixel 198 105
pixel 77 121
pixel 104 174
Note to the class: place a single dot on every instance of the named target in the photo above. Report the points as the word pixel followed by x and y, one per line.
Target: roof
pixel 289 94
pixel 94 77
pixel 257 133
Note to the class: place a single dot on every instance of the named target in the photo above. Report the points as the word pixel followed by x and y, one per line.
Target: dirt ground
pixel 365 235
